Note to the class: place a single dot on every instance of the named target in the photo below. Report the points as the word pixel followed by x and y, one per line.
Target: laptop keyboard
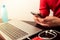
pixel 12 31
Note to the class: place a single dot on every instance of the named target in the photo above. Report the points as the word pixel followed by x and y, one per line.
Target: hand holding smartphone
pixel 37 15
pixel 41 22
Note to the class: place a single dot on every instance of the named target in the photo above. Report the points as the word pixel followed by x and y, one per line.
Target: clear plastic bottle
pixel 4 14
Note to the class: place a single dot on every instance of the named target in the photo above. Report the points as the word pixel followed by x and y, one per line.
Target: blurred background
pixel 20 9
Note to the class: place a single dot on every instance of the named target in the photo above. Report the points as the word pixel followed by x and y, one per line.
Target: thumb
pixel 41 19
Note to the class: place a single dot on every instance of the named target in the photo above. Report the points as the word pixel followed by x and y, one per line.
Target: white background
pixel 20 9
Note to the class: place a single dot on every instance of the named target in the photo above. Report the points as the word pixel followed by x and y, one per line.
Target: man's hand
pixel 49 21
pixel 39 20
pixel 52 21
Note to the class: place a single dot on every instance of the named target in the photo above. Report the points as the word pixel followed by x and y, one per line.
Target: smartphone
pixel 38 15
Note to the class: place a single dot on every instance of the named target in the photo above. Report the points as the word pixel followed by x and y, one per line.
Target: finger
pixel 41 19
pixel 44 24
pixel 36 20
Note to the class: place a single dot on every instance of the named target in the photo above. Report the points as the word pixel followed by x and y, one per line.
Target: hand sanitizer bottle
pixel 4 14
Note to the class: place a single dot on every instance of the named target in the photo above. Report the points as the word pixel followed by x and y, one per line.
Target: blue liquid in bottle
pixel 4 14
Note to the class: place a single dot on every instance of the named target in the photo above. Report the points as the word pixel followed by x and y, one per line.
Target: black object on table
pixel 57 28
pixel 36 35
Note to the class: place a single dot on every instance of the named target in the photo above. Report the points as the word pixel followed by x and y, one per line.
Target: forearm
pixel 52 21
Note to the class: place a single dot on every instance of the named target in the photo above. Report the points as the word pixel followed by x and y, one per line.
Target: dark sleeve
pixel 44 8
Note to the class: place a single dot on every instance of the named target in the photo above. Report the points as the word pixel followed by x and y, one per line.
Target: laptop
pixel 17 30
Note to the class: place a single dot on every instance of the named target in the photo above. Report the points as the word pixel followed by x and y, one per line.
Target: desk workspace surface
pixel 17 30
